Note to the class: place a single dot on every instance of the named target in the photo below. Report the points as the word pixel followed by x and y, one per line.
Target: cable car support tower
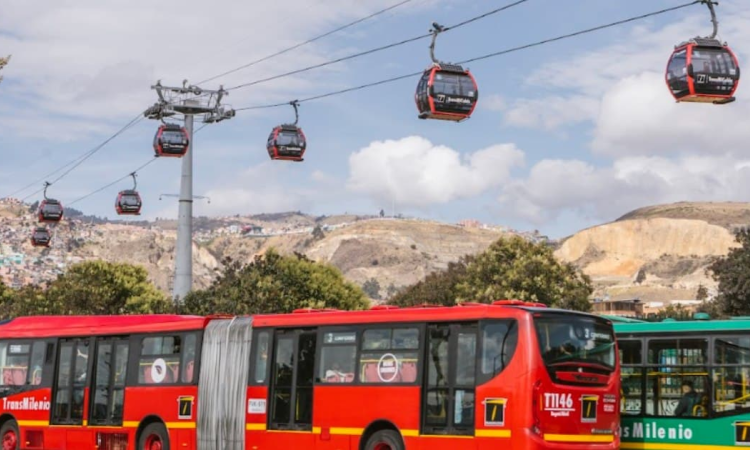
pixel 188 101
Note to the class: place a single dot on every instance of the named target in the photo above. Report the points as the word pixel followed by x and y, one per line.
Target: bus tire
pixel 385 440
pixel 154 437
pixel 9 435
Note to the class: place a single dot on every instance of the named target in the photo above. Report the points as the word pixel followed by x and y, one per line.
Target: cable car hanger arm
pixel 714 21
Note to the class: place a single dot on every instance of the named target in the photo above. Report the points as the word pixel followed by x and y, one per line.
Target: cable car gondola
pixel 445 91
pixel 50 210
pixel 171 140
pixel 129 201
pixel 703 70
pixel 287 141
pixel 41 237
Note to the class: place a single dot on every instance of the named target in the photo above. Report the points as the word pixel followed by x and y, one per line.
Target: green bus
pixel 685 385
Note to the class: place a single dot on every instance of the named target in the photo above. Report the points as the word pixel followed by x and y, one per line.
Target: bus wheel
pixel 385 440
pixel 9 433
pixel 153 437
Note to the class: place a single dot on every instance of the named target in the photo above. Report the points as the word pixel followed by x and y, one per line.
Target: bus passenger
pixel 688 400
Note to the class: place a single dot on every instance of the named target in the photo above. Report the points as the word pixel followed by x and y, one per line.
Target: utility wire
pixel 376 49
pixel 74 163
pixel 309 41
pixel 479 58
pixel 113 183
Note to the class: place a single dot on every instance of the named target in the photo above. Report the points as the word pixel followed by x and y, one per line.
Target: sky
pixel 565 136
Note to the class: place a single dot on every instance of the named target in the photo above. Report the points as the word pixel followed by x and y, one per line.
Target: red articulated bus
pixel 508 375
pixel 107 382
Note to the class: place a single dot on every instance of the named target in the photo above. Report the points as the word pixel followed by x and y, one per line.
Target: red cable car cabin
pixel 41 237
pixel 703 70
pixel 128 203
pixel 287 143
pixel 50 210
pixel 171 140
pixel 446 92
pixel 479 377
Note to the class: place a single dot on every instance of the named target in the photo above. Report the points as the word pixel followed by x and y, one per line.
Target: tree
pixel 101 287
pixel 732 272
pixel 317 233
pixel 702 293
pixel 273 283
pixel 93 287
pixel 515 268
pixel 437 288
pixel 371 288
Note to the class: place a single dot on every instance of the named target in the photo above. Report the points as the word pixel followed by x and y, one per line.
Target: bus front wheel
pixel 154 437
pixel 385 440
pixel 9 435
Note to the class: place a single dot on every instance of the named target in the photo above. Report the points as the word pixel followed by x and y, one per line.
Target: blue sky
pixel 566 136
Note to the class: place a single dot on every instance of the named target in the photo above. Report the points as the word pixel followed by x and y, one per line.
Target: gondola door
pixel 291 392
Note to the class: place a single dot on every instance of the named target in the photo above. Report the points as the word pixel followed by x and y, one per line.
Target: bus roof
pixel 385 314
pixel 688 326
pixel 61 326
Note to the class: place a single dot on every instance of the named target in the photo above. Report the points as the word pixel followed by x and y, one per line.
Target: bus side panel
pixel 257 406
pixel 31 410
pixel 343 411
pixel 174 405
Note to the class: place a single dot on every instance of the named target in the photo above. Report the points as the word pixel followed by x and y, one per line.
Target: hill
pixel 658 252
pixel 394 251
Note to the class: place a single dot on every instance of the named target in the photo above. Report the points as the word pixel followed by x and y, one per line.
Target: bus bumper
pixel 570 442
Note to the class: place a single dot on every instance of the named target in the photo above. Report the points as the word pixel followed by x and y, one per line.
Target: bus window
pixel 37 362
pixel 677 382
pixel 14 358
pixel 160 360
pixel 260 368
pixel 499 341
pixel 389 355
pixel 188 359
pixel 338 357
pixel 731 377
pixel 631 358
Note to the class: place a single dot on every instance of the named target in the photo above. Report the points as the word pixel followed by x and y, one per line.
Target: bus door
pixel 291 390
pixel 107 398
pixel 70 392
pixel 448 388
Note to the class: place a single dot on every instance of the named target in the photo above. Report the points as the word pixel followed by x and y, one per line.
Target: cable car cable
pixel 77 161
pixel 479 58
pixel 133 172
pixel 376 49
pixel 309 41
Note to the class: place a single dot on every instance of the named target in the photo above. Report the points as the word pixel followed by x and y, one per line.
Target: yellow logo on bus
pixel 494 411
pixel 742 432
pixel 589 405
pixel 185 407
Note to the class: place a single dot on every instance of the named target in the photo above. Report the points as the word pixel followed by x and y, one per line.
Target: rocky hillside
pixel 658 252
pixel 395 252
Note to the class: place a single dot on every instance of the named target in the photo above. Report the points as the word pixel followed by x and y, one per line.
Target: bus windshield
pixel 573 339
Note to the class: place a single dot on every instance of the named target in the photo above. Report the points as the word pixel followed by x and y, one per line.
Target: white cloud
pixel 494 102
pixel 636 105
pixel 415 172
pixel 94 60
pixel 604 193
pixel 552 112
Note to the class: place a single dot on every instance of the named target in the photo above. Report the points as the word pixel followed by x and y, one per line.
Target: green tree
pixel 515 268
pixel 273 283
pixel 732 272
pixel 101 287
pixel 702 293
pixel 371 288
pixel 317 233
pixel 438 288
pixel 678 312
